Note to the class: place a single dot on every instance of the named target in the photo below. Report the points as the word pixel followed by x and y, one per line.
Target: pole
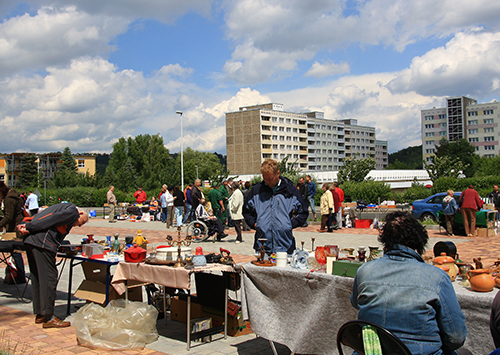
pixel 197 172
pixel 182 155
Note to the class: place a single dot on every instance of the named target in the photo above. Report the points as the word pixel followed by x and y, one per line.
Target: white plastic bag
pixel 118 326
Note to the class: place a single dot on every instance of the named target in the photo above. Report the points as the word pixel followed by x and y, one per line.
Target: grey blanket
pixel 304 311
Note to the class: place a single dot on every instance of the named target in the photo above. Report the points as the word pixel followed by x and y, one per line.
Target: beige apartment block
pixel 308 140
pixel 463 118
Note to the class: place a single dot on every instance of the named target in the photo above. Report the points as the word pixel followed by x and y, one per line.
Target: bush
pixel 416 192
pixel 370 191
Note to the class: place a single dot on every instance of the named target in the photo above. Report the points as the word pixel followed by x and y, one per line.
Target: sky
pixel 82 74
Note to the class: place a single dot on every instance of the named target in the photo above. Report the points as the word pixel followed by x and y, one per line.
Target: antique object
pixel 135 254
pixel 346 268
pixel 446 263
pixel 320 255
pixel 299 259
pixel 141 241
pixel 199 259
pixel 478 262
pixel 90 238
pixel 374 252
pixel 261 261
pixel 332 250
pixel 116 244
pixel 179 242
pixel 281 259
pixel 312 243
pixel 447 247
pixel 361 255
pixel 226 258
pixel 481 280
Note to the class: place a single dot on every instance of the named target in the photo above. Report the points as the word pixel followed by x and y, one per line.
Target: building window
pixel 427 126
pixel 472 113
pixel 488 112
pixel 288 129
pixel 282 129
pixel 473 140
pixel 282 120
pixel 275 138
pixel 442 117
pixel 472 122
pixel 275 119
pixel 474 130
pixel 442 125
pixel 282 156
pixel 81 163
pixel 288 120
pixel 294 121
pixel 429 118
pixel 489 130
pixel 442 133
pixel 275 156
pixel 275 146
pixel 429 134
pixel 489 139
pixel 295 139
pixel 489 147
pixel 429 151
pixel 488 120
pixel 489 155
pixel 282 138
pixel 289 139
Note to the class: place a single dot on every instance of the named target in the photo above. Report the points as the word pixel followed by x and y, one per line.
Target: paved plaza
pixel 17 322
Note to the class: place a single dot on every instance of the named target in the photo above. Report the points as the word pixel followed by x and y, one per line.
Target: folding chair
pixel 7 248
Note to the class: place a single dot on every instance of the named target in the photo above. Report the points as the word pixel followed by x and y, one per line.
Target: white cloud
pixel 53 37
pixel 272 36
pixel 467 65
pixel 319 70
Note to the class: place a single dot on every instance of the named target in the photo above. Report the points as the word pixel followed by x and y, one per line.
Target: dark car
pixel 429 207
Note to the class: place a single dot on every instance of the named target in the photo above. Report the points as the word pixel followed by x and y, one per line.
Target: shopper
pixel 469 204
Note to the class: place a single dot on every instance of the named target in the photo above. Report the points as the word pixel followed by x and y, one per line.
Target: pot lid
pixel 443 259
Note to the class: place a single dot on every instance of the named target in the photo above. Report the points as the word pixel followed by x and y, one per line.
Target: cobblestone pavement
pixel 17 325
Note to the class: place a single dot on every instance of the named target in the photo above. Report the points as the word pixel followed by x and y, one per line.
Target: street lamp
pixel 196 171
pixel 182 155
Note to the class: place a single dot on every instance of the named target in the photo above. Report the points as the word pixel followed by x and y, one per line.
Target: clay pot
pixel 447 263
pixel 481 280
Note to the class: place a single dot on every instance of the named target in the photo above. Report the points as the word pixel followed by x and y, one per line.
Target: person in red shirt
pixel 333 224
pixel 340 192
pixel 470 203
pixel 140 196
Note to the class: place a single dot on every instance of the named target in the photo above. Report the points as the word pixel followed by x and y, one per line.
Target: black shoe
pixel 221 236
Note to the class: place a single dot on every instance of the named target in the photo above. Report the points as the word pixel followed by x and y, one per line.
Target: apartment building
pixel 464 118
pixel 10 165
pixel 257 132
pixel 381 156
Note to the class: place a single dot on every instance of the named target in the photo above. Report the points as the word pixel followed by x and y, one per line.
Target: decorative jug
pixel 481 280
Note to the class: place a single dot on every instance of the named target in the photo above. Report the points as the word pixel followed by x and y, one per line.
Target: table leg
pixel 225 314
pixel 164 305
pixel 70 281
pixel 189 320
pixel 108 279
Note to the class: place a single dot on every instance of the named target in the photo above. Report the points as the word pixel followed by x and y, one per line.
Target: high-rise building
pixel 314 143
pixel 464 118
pixel 381 156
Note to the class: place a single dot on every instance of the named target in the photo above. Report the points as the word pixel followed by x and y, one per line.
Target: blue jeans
pixel 178 215
pixel 188 212
pixel 163 214
pixel 312 203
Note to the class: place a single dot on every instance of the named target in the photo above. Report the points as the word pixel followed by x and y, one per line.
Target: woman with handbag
pixel 450 207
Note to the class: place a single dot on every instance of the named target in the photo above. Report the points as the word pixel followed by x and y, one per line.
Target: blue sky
pixel 82 73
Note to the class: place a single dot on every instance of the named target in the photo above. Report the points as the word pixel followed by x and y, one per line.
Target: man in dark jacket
pixel 12 216
pixel 494 196
pixel 43 235
pixel 196 194
pixel 273 208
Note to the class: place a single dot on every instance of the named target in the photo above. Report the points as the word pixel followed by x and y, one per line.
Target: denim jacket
pixel 412 299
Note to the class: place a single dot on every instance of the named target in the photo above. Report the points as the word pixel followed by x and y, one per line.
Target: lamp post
pixel 196 171
pixel 182 155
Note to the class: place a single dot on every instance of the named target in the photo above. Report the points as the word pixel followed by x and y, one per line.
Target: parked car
pixel 429 207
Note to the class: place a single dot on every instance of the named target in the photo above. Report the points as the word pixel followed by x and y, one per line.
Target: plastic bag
pixel 118 326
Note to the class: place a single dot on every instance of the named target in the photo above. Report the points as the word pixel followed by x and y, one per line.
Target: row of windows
pixel 475 122
pixel 430 151
pixel 431 134
pixel 475 113
pixel 430 118
pixel 486 130
pixel 282 120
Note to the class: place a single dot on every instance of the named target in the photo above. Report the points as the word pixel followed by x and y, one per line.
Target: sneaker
pixel 39 319
pixel 237 242
pixel 56 323
pixel 112 221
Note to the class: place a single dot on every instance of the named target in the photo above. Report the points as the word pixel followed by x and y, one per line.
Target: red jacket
pixel 140 196
pixel 336 200
pixel 341 194
pixel 470 199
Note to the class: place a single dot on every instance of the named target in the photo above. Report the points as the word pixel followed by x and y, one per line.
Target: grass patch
pixel 9 347
pixel 429 222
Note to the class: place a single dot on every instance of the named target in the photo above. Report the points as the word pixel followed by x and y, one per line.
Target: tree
pixel 355 169
pixel 29 171
pixel 460 149
pixel 289 170
pixel 444 167
pixel 486 166
pixel 66 174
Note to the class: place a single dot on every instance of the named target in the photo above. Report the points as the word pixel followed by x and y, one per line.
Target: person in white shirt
pixel 32 203
pixel 236 210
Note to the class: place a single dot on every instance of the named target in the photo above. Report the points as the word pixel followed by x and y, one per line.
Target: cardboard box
pixel 199 324
pixel 483 232
pixel 93 288
pixel 488 206
pixel 92 249
pixel 349 204
pixel 235 325
pixel 178 309
pixel 346 268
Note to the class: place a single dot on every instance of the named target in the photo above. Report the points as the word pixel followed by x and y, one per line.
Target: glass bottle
pixel 116 244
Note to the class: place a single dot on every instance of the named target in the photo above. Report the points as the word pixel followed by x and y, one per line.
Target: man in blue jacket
pixel 273 208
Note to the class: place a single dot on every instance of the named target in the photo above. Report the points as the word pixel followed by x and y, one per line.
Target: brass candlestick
pixel 179 242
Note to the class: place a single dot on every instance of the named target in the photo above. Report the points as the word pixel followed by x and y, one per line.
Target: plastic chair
pixel 350 334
